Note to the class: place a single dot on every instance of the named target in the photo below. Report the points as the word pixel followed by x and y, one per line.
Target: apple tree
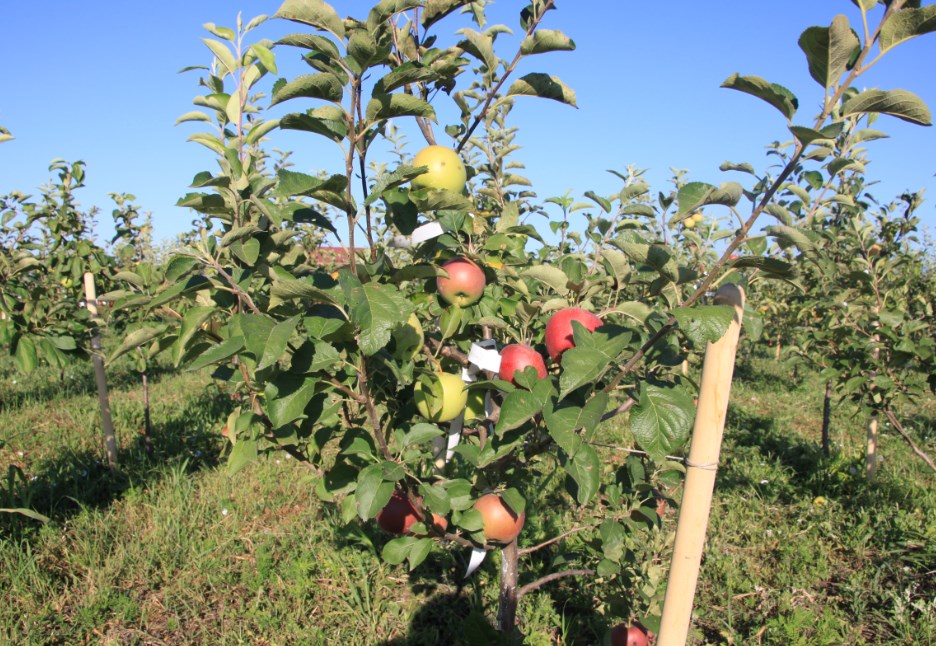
pixel 384 377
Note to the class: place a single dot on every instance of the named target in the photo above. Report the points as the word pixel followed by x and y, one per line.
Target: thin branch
pixel 530 587
pixel 900 429
pixel 555 539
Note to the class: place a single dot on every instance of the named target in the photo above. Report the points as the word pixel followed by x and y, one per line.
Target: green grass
pixel 801 550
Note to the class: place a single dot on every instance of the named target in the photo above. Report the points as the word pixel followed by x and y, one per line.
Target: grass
pixel 802 550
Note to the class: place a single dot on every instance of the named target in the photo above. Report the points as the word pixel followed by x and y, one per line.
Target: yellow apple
pixel 443 400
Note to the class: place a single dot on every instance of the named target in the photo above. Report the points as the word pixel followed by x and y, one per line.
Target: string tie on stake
pixel 711 466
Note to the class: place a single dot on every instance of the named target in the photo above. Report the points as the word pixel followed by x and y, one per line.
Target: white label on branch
pixel 484 355
pixel 454 436
pixel 477 558
pixel 427 231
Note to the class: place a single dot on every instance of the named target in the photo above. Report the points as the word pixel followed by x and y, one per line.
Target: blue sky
pixel 98 81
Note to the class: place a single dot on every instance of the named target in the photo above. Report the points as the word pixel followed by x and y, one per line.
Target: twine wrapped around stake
pixel 701 468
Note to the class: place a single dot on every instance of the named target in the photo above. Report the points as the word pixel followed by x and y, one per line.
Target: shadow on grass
pixel 759 455
pixel 77 380
pixel 62 485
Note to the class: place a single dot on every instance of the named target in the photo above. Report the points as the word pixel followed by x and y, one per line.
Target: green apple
pixel 408 339
pixel 446 170
pixel 475 409
pixel 443 398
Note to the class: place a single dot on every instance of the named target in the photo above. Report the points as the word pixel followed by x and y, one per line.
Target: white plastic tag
pixel 486 358
pixel 427 231
pixel 477 558
pixel 454 436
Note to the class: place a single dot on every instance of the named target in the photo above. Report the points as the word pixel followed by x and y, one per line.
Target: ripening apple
pixel 444 400
pixel 464 284
pixel 475 409
pixel 624 635
pixel 501 524
pixel 559 336
pixel 408 339
pixel 446 170
pixel 398 515
pixel 517 356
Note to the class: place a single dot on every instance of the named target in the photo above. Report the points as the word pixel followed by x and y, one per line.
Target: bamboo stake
pixel 701 466
pixel 110 439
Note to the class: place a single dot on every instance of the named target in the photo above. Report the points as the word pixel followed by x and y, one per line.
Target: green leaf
pixel 773 266
pixel 481 46
pixel 287 397
pixel 546 40
pixel 26 358
pixel 522 405
pixel 436 10
pixel 218 353
pixel 373 492
pixel 662 419
pixel 324 86
pixel 829 49
pixel 135 339
pixel 376 309
pixel 656 256
pixel 333 129
pixel 788 236
pixel 421 432
pixel 592 355
pixel 397 550
pixel 419 551
pixel 244 452
pixel 223 54
pixel 389 106
pixel 194 115
pixel 776 95
pixel 276 342
pixel 563 423
pixel 35 515
pixel 550 276
pixel 321 44
pixel 906 24
pixel 902 104
pixel 694 195
pixel 543 85
pixel 191 323
pixel 704 323
pixel 585 469
pixel 406 74
pixel 314 13
pixel 388 181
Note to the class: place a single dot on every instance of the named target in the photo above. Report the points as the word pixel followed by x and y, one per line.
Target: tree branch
pixel 530 587
pixel 900 429
pixel 556 539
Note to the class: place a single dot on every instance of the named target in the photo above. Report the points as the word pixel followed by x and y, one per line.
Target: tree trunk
pixel 100 378
pixel 507 602
pixel 147 424
pixel 826 418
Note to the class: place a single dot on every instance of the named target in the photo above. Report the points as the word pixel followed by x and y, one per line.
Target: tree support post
pixel 110 439
pixel 717 371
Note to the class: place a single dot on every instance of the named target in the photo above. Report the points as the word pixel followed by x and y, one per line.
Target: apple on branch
pixel 464 284
pixel 501 523
pixel 445 169
pixel 443 398
pixel 559 336
pixel 517 356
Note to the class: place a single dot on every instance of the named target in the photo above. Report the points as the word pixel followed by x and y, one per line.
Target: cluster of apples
pixel 444 397
pixel 693 220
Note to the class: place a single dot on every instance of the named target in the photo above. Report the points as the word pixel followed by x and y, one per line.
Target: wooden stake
pixel 717 371
pixel 871 458
pixel 110 439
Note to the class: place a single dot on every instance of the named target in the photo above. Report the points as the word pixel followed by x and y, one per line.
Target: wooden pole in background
pixel 110 439
pixel 717 371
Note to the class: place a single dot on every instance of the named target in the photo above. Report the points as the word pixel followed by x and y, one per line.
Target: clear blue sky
pixel 98 81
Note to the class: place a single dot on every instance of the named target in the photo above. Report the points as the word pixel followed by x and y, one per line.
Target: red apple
pixel 624 635
pixel 501 524
pixel 559 329
pixel 464 284
pixel 398 515
pixel 517 356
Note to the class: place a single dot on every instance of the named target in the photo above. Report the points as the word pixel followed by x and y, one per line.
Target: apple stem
pixel 507 602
